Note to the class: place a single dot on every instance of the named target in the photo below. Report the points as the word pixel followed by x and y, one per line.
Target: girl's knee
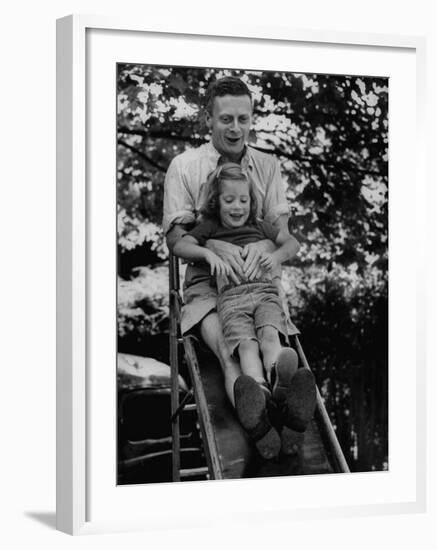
pixel 222 348
pixel 224 355
pixel 248 346
pixel 268 335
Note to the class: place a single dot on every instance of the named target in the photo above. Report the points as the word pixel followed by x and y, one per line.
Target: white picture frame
pixel 75 347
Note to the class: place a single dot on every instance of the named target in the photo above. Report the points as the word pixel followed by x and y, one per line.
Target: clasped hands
pixel 238 263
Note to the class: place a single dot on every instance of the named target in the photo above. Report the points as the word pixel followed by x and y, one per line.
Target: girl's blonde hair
pixel 229 171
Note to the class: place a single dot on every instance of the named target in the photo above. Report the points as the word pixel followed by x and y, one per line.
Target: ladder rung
pixel 182 405
pixel 190 407
pixel 192 472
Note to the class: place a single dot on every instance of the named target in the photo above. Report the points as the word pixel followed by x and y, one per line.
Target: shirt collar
pixel 214 155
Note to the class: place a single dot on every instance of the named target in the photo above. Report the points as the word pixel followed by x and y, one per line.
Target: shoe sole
pixel 250 406
pixel 291 441
pixel 285 369
pixel 300 403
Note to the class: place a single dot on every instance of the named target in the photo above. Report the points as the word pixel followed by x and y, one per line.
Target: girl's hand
pixel 218 268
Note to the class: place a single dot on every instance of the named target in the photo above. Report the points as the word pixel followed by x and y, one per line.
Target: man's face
pixel 230 124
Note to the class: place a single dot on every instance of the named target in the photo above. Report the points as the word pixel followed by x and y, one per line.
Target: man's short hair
pixel 228 85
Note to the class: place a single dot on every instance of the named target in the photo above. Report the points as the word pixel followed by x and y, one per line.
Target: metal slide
pixel 227 449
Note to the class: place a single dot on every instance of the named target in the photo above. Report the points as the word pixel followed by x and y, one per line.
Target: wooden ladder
pixel 196 393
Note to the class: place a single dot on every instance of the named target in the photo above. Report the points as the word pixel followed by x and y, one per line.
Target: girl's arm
pixel 188 248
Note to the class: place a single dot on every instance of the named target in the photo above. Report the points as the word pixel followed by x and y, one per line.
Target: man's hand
pixel 231 256
pixel 269 262
pixel 252 254
pixel 218 268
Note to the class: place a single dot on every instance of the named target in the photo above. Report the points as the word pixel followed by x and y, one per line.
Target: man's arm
pixel 189 249
pixel 177 243
pixel 283 228
pixel 178 205
pixel 288 247
pixel 174 235
pixel 281 225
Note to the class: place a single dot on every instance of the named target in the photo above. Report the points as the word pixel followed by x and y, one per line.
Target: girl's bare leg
pixel 250 360
pixel 212 335
pixel 270 345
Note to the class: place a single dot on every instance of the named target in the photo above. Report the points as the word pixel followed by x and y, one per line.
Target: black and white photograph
pixel 218 285
pixel 252 273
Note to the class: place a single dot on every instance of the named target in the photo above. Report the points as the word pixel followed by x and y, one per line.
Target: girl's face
pixel 234 203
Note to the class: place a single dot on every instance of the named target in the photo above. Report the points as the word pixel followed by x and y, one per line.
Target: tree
pixel 329 132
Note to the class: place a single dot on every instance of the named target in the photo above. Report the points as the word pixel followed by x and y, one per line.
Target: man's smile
pixel 233 140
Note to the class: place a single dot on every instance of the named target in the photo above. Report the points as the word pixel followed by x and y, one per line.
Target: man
pixel 228 116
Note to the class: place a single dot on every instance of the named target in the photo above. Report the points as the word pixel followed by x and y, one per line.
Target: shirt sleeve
pixel 178 202
pixel 275 202
pixel 269 230
pixel 203 231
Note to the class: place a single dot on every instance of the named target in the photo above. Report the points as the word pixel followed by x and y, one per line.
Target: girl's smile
pixel 234 203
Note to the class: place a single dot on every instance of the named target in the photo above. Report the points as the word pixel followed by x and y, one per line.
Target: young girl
pixel 251 314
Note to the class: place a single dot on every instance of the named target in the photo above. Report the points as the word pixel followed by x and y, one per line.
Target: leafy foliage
pixel 329 132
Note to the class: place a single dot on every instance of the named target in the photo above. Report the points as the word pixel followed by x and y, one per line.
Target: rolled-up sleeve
pixel 275 202
pixel 203 231
pixel 178 203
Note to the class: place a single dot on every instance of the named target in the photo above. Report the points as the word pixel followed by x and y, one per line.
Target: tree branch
pixel 162 134
pixel 142 155
pixel 346 166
